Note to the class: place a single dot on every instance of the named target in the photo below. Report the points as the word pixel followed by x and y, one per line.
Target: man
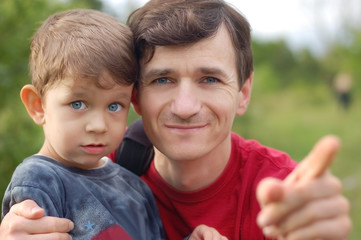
pixel 196 75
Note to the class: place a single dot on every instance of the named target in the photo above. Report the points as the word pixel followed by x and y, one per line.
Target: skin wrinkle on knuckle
pixel 347 204
pixel 277 212
pixel 338 184
pixel 315 211
pixel 328 229
pixel 346 224
pixel 343 204
pixel 61 237
pixel 307 215
pixel 53 225
pixel 12 226
pixel 319 188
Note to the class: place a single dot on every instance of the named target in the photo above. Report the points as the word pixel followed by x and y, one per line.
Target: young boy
pixel 83 70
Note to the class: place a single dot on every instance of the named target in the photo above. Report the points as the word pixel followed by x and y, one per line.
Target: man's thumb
pixel 28 209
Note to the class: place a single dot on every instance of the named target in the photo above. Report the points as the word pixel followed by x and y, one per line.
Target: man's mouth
pixel 185 127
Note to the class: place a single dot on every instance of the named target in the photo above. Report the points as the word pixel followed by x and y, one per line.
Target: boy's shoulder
pixel 35 169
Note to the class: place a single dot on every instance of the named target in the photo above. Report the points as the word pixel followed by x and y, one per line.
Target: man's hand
pixel 308 204
pixel 203 232
pixel 26 221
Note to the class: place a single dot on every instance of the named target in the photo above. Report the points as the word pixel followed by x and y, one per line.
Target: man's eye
pixel 78 105
pixel 162 80
pixel 114 107
pixel 210 80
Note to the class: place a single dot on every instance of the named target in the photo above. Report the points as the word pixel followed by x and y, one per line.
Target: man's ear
pixel 245 96
pixel 135 101
pixel 33 104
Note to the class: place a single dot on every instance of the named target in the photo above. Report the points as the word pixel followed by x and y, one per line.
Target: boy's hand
pixel 203 232
pixel 26 221
pixel 308 204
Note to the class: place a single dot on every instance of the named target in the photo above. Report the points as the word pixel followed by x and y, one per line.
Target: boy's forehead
pixel 104 80
pixel 72 82
pixel 88 85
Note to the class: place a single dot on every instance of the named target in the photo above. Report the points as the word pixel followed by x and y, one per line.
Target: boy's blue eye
pixel 114 107
pixel 78 105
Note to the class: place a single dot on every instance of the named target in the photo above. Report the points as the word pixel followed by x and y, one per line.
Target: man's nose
pixel 186 102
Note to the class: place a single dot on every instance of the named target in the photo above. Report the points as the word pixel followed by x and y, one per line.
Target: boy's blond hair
pixel 81 43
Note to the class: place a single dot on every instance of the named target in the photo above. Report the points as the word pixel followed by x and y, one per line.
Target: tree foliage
pixel 19 136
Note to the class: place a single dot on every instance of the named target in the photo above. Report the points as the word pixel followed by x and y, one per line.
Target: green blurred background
pixel 293 102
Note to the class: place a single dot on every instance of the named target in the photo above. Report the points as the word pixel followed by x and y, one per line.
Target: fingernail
pixel 71 225
pixel 270 231
pixel 262 221
pixel 35 210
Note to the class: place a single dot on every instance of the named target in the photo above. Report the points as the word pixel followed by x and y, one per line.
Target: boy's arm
pixel 26 221
pixel 23 218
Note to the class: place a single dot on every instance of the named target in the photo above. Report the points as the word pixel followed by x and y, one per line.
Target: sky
pixel 312 24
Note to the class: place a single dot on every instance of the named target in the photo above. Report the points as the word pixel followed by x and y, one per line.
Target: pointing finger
pixel 318 160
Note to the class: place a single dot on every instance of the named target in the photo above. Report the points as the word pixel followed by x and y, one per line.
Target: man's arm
pixel 308 204
pixel 26 221
pixel 203 232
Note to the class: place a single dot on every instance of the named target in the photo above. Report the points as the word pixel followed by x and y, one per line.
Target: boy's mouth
pixel 94 148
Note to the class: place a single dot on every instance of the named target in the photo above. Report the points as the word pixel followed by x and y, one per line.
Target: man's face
pixel 189 96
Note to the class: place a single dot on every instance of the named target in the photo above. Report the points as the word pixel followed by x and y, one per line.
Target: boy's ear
pixel 33 104
pixel 135 101
pixel 245 96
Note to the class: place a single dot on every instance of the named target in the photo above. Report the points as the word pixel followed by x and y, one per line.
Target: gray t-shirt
pixel 104 203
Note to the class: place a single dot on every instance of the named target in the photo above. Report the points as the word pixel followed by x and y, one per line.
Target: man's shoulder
pixel 263 156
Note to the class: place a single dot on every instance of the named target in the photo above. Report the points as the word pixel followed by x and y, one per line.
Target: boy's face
pixel 189 96
pixel 83 122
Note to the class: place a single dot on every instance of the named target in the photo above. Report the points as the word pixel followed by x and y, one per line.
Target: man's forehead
pixel 222 36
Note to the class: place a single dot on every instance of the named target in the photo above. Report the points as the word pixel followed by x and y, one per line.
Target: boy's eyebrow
pixel 77 94
pixel 82 94
pixel 124 95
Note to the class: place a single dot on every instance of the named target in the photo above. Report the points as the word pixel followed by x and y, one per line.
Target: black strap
pixel 135 153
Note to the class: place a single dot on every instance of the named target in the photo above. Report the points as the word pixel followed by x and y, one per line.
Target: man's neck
pixel 191 175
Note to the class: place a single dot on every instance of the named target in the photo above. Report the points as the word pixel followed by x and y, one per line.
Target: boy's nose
pixel 96 123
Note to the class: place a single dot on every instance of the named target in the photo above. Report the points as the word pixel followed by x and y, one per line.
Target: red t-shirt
pixel 229 204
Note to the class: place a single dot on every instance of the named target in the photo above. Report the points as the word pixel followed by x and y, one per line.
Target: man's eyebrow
pixel 155 73
pixel 213 71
